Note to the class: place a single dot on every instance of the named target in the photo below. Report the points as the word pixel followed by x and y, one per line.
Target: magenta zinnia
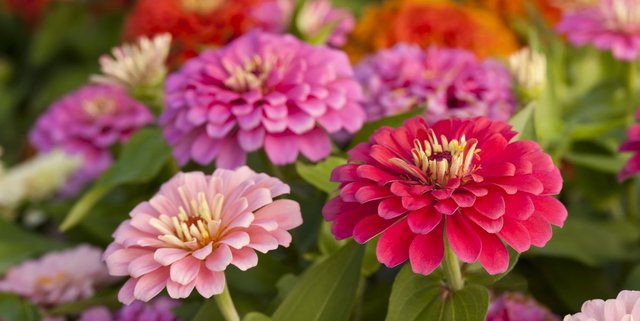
pixel 449 82
pixel 516 306
pixel 261 90
pixel 459 181
pixel 632 144
pixel 156 310
pixel 188 233
pixel 88 122
pixel 608 25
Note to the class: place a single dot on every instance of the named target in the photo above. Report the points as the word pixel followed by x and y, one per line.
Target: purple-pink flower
pixel 58 277
pixel 88 122
pixel 608 25
pixel 516 306
pixel 156 310
pixel 262 90
pixel 632 144
pixel 449 82
pixel 626 307
pixel 194 227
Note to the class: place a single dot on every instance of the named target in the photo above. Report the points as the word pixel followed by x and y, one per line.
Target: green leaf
pixel 107 297
pixel 141 160
pixel 522 120
pixel 14 308
pixel 208 311
pixel 603 163
pixel 319 175
pixel 17 245
pixel 477 275
pixel 255 316
pixel 416 297
pixel 326 291
pixel 393 121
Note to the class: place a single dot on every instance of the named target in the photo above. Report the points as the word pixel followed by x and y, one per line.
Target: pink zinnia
pixel 157 310
pixel 449 82
pixel 515 306
pixel 58 277
pixel 459 180
pixel 88 122
pixel 631 145
pixel 260 90
pixel 190 231
pixel 626 307
pixel 609 25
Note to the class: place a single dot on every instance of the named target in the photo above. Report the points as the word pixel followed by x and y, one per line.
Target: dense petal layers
pixel 194 227
pixel 515 306
pixel 625 307
pixel 462 181
pixel 159 309
pixel 451 82
pixel 251 94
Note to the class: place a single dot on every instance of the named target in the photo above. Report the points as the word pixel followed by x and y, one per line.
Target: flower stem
pixel 452 269
pixel 225 304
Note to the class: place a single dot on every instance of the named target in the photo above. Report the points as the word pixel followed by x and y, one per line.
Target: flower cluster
pixel 88 122
pixel 197 225
pixel 233 100
pixel 157 310
pixel 459 180
pixel 515 306
pixel 450 82
pixel 428 24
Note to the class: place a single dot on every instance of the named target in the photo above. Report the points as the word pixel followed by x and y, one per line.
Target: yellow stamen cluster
pixel 99 106
pixel 48 280
pixel 202 6
pixel 199 221
pixel 441 159
pixel 623 15
pixel 251 75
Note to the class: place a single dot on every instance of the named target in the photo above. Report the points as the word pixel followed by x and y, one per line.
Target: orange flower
pixel 194 24
pixel 429 22
pixel 514 9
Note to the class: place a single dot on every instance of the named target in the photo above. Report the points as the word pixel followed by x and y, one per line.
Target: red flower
pixel 459 180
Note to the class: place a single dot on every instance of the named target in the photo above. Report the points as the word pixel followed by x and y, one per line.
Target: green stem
pixel 452 269
pixel 225 304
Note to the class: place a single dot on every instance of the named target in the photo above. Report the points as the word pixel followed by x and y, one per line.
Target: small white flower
pixel 135 65
pixel 529 68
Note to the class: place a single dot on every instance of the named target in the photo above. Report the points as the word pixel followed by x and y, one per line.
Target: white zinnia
pixel 529 68
pixel 135 65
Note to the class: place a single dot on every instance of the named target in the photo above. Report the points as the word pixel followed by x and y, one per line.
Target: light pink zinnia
pixel 260 90
pixel 632 144
pixel 156 310
pixel 462 181
pixel 608 25
pixel 88 122
pixel 449 82
pixel 190 231
pixel 626 307
pixel 58 277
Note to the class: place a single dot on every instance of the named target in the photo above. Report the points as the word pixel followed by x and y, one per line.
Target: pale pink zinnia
pixel 194 227
pixel 462 181
pixel 260 90
pixel 626 307
pixel 448 82
pixel 58 277
pixel 88 122
pixel 608 25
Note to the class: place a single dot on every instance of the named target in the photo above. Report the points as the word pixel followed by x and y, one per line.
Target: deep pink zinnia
pixel 190 231
pixel 459 180
pixel 156 310
pixel 608 25
pixel 260 90
pixel 632 144
pixel 88 122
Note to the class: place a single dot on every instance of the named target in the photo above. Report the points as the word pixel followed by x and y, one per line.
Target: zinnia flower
pixel 450 82
pixel 427 24
pixel 36 178
pixel 30 11
pixel 608 25
pixel 519 9
pixel 192 23
pixel 136 65
pixel 515 306
pixel 87 122
pixel 626 307
pixel 631 145
pixel 459 179
pixel 157 310
pixel 252 93
pixel 58 277
pixel 529 68
pixel 188 233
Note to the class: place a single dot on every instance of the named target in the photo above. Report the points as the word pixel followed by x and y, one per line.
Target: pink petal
pixel 494 256
pixel 150 285
pixel 369 227
pixel 516 235
pixel 315 144
pixel 551 209
pixel 391 208
pixel 424 220
pixel 166 256
pixel 180 291
pixel 118 261
pixel 262 240
pixel 285 212
pixel 427 251
pixel 281 148
pixel 492 205
pixel 539 230
pixel 203 252
pixel 219 259
pixel 487 224
pixel 518 206
pixel 185 270
pixel 393 245
pixel 142 265
pixel 236 239
pixel 210 283
pixel 125 295
pixel 464 241
pixel 244 258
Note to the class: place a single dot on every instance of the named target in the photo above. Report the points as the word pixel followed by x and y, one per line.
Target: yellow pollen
pixel 47 280
pixel 99 106
pixel 202 6
pixel 440 159
pixel 251 75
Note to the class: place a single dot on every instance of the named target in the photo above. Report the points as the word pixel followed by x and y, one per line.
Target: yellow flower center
pixel 202 6
pixel 193 223
pixel 48 280
pixel 440 159
pixel 99 106
pixel 251 75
